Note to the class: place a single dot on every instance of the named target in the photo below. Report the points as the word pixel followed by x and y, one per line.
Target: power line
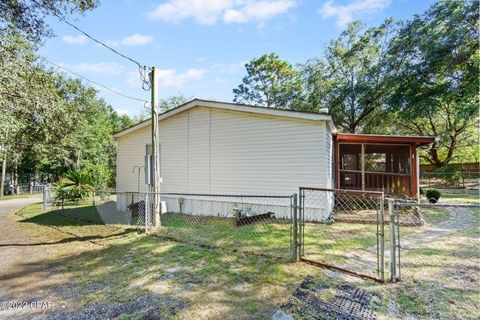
pixel 85 78
pixel 96 83
pixel 142 69
pixel 87 35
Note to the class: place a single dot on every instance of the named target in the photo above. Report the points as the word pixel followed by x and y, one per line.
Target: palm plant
pixel 74 185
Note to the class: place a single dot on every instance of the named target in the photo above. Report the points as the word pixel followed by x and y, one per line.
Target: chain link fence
pixel 257 224
pixel 343 230
pixel 434 242
pixel 454 182
pixel 102 207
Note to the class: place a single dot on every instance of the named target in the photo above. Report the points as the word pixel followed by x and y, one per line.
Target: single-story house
pixel 210 147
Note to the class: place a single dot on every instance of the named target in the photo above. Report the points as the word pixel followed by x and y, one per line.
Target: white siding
pixel 206 150
pixel 130 153
pixel 264 155
pixel 174 153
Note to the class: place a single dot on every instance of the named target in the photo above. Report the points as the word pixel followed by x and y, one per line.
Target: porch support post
pixel 363 166
pixel 418 176
pixel 413 172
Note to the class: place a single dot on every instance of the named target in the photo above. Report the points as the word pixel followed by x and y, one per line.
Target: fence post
pixel 44 198
pixel 147 211
pixel 382 237
pixel 393 239
pixel 300 223
pixel 93 205
pixel 295 227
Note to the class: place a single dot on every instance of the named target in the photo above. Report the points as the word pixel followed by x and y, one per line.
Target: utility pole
pixel 155 152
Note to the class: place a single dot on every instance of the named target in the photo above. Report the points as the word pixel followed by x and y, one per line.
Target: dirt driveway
pixel 25 278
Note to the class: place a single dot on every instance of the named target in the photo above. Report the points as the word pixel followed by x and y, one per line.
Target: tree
pixel 28 17
pixel 351 81
pixel 173 102
pixel 436 90
pixel 269 82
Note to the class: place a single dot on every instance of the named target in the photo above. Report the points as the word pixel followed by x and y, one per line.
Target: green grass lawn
pixel 441 278
pixel 191 280
pixel 461 198
pixel 19 196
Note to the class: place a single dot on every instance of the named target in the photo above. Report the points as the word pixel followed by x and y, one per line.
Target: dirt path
pixel 365 261
pixel 25 276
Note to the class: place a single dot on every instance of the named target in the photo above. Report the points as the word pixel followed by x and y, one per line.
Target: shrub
pixel 450 176
pixel 433 195
pixel 74 185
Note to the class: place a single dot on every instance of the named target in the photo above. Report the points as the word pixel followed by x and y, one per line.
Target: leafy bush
pixel 450 176
pixel 101 176
pixel 433 195
pixel 74 185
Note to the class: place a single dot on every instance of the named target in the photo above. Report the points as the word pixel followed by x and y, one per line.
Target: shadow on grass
pixel 69 216
pixel 201 280
pixel 70 239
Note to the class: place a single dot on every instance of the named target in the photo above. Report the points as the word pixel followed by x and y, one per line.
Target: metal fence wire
pixel 124 208
pixel 436 242
pixel 257 224
pixel 343 230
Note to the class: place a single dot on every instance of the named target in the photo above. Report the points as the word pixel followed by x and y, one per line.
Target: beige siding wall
pixel 216 151
pixel 130 153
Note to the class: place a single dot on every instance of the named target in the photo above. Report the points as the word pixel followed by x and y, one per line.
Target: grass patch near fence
pixel 460 198
pixel 19 196
pixel 441 277
pixel 188 281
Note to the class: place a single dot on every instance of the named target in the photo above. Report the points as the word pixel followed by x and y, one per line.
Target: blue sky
pixel 200 46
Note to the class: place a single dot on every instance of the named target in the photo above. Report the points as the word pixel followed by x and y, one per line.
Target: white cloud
pixel 79 40
pixel 169 77
pixel 101 68
pixel 134 40
pixel 209 12
pixel 346 13
pixel 229 68
pixel 121 111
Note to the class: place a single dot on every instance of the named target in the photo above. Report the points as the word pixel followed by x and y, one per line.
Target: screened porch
pixel 378 163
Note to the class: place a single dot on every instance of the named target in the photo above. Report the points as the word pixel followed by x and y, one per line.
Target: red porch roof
pixel 373 138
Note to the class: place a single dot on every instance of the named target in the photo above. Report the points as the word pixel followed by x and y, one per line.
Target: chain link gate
pixel 420 229
pixel 343 230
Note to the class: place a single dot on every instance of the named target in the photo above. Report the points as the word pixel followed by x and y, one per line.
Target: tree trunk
pixel 15 180
pixel 4 171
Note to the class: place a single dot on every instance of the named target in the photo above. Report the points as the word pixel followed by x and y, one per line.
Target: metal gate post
pixel 300 223
pixel 295 228
pixel 393 239
pixel 382 237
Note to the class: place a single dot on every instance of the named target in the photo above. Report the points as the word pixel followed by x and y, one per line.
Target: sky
pixel 200 47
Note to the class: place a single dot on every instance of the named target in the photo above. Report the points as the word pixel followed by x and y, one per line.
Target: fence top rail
pixel 224 195
pixel 199 194
pixel 378 193
pixel 444 205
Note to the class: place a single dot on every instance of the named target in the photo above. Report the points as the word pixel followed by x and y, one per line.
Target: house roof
pixel 319 116
pixel 373 138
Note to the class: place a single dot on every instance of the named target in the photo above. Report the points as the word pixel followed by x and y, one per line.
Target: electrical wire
pixel 142 69
pixel 96 83
pixel 146 103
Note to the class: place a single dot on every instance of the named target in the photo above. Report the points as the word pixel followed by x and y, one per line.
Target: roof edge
pixel 378 138
pixel 322 116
